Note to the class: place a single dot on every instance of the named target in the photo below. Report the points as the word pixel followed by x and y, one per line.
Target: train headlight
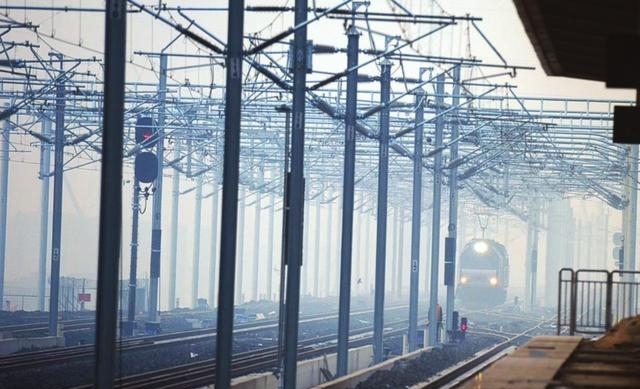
pixel 463 280
pixel 493 281
pixel 480 247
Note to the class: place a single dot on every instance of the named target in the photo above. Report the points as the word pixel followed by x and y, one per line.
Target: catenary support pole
pixel 195 271
pixel 393 251
pixel 316 256
pixel 269 272
pixel 534 256
pixel 452 229
pixel 529 256
pixel 295 220
pixel 255 270
pixel 335 281
pixel 84 282
pixel 577 256
pixel 58 166
pixel 284 251
pixel 45 165
pixel 4 200
pixel 329 237
pixel 400 252
pixel 175 211
pixel 347 202
pixel 156 215
pixel 230 178
pixel 356 253
pixel 435 224
pixel 381 225
pixel 633 219
pixel 370 252
pixel 213 262
pixel 110 193
pixel 534 253
pixel 133 268
pixel 242 207
pixel 304 272
pixel 416 216
pixel 605 239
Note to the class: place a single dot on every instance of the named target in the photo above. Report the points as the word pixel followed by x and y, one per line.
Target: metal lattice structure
pixel 509 144
pixel 503 151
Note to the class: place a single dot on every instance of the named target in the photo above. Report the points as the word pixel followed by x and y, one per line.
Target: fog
pixel 592 222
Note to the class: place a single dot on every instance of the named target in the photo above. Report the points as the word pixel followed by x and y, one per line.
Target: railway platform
pixel 553 362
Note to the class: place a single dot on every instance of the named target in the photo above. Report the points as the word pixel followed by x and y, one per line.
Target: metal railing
pixel 590 301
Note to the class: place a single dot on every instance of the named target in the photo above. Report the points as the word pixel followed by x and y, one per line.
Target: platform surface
pixel 532 366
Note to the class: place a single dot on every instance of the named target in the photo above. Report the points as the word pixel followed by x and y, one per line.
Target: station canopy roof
pixel 569 36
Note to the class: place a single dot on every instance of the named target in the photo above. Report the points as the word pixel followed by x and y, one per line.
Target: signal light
pixel 146 132
pixel 146 167
pixel 463 324
pixel 455 319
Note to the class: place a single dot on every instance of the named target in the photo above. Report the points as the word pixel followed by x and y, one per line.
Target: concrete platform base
pixel 13 345
pixel 309 371
pixel 354 378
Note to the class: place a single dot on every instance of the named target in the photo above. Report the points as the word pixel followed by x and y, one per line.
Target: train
pixel 484 274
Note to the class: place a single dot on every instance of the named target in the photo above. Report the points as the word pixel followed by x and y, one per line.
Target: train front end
pixel 484 274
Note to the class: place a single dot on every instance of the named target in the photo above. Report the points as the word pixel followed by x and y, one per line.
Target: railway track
pixel 42 328
pixel 44 358
pixel 459 373
pixel 201 373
